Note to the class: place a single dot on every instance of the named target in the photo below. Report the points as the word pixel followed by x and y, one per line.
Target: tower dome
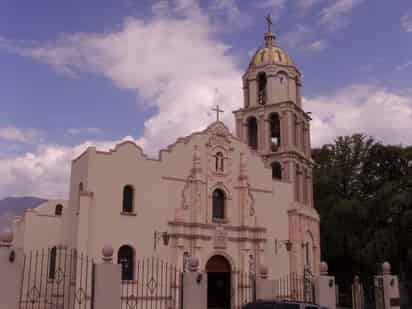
pixel 270 53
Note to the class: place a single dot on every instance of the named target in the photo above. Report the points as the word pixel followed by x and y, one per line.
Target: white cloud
pixel 334 15
pixel 11 133
pixel 297 36
pixel 318 45
pixel 45 171
pixel 306 4
pixel 406 22
pixel 373 110
pixel 403 66
pixel 276 7
pixel 84 130
pixel 173 63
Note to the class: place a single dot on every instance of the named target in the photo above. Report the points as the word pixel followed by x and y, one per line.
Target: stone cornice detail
pixel 210 226
pixel 304 211
pixel 255 190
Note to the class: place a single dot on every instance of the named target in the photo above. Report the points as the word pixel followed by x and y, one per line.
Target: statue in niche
pixel 219 162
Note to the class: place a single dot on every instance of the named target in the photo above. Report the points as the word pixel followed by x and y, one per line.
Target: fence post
pixel 325 291
pixel 194 286
pixel 390 286
pixel 11 270
pixel 358 299
pixel 107 282
pixel 265 288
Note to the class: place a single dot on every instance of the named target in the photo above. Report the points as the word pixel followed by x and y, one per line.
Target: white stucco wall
pixel 39 228
pixel 159 186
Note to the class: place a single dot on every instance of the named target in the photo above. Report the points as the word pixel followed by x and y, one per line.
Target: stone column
pixel 239 129
pixel 11 269
pixel 325 291
pixel 194 286
pixel 265 288
pixel 261 132
pixel 107 279
pixel 253 92
pixel 390 286
pixel 83 223
pixel 284 141
pixel 245 132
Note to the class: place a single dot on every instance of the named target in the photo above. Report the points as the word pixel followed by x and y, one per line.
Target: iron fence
pixel 156 285
pixel 244 288
pixel 56 278
pixel 294 287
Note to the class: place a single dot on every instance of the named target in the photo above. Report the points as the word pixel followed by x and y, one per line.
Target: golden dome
pixel 271 55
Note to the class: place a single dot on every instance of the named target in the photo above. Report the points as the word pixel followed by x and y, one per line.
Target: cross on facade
pixel 218 111
pixel 269 21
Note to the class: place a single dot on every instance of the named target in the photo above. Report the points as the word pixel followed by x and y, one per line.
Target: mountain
pixel 15 206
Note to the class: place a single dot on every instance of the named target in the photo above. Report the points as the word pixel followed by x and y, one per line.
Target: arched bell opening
pixel 252 129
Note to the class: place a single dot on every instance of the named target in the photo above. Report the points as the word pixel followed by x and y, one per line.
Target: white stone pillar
pixel 11 269
pixel 83 222
pixel 245 132
pixel 194 286
pixel 265 288
pixel 390 285
pixel 253 92
pixel 107 282
pixel 325 291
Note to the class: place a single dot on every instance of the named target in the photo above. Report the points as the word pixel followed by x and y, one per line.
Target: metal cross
pixel 218 111
pixel 269 21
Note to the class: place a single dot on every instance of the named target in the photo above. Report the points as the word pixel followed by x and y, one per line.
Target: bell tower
pixel 273 123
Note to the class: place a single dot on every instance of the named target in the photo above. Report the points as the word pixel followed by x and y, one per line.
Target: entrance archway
pixel 218 282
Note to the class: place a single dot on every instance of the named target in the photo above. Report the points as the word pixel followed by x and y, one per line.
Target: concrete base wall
pixel 194 290
pixel 107 290
pixel 10 278
pixel 325 291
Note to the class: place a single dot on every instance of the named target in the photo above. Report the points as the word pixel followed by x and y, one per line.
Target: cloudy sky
pixel 78 73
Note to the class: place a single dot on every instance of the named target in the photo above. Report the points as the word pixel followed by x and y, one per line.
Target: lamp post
pixel 279 243
pixel 165 236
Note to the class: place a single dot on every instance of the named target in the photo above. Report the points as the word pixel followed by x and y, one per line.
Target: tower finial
pixel 269 36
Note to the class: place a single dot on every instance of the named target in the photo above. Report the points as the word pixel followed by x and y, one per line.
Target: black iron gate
pixel 294 287
pixel 56 278
pixel 373 293
pixel 156 285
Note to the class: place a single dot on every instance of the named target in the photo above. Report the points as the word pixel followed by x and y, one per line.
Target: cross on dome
pixel 269 21
pixel 269 36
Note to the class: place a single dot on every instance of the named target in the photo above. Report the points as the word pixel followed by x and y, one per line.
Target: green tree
pixel 363 192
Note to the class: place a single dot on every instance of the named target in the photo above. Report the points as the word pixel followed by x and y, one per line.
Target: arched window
pixel 252 133
pixel 219 162
pixel 58 211
pixel 262 81
pixel 274 132
pixel 276 170
pixel 219 200
pixel 52 262
pixel 128 197
pixel 125 257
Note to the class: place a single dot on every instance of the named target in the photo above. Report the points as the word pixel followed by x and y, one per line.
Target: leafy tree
pixel 363 192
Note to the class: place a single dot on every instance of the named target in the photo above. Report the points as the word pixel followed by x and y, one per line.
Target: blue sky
pixel 77 73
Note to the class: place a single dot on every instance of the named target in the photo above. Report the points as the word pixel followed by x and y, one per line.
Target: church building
pixel 237 201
